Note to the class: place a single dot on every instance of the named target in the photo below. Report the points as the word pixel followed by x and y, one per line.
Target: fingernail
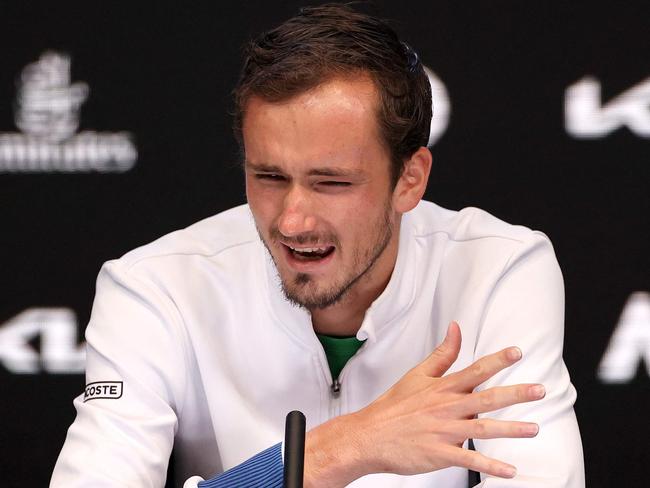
pixel 514 353
pixel 531 429
pixel 509 472
pixel 538 391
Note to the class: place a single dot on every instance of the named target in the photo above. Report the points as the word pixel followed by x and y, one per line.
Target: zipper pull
pixel 336 388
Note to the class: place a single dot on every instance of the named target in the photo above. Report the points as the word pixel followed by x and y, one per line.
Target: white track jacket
pixel 192 345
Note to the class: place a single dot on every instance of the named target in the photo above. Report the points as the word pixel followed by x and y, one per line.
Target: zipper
pixel 335 388
pixel 336 385
pixel 335 398
pixel 334 393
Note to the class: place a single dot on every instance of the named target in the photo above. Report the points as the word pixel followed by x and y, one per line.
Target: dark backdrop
pixel 160 76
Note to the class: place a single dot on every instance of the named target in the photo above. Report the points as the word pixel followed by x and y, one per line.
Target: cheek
pixel 261 205
pixel 354 221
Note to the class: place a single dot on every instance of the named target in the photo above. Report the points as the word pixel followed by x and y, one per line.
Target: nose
pixel 297 216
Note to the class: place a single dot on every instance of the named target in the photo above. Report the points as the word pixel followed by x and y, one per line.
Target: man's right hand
pixel 421 422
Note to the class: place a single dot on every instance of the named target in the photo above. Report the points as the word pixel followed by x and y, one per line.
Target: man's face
pixel 318 184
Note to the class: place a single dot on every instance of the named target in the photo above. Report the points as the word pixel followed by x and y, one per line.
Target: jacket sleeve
pixel 135 339
pixel 264 470
pixel 526 309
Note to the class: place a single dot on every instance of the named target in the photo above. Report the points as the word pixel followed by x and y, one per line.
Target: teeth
pixel 309 249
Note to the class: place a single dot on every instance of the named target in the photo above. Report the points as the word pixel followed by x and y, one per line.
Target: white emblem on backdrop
pixel 441 107
pixel 586 116
pixel 59 351
pixel 630 343
pixel 47 112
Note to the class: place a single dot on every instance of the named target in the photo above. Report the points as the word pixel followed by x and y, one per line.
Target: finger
pixel 499 397
pixel 491 429
pixel 483 369
pixel 478 462
pixel 441 359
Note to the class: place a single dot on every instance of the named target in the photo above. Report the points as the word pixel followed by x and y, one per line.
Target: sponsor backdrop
pixel 115 129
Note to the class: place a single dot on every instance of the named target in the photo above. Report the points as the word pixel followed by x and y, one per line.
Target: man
pixel 328 293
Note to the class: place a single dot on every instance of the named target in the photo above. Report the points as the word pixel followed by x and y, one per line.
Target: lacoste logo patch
pixel 103 389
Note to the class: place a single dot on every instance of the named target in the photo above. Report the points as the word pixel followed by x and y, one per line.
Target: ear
pixel 410 187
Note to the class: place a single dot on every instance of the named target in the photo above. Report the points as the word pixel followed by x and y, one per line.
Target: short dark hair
pixel 332 40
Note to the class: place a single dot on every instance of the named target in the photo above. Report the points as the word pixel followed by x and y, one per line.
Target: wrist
pixel 334 453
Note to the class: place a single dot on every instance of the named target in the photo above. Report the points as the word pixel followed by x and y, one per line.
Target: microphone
pixel 294 449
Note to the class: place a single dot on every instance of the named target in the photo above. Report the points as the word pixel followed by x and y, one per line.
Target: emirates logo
pixel 47 112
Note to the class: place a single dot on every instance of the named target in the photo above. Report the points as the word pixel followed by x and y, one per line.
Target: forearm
pixel 332 459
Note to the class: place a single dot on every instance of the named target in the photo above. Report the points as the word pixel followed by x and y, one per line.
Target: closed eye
pixel 335 183
pixel 269 177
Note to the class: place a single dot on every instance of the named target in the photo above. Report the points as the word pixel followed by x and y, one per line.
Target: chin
pixel 303 291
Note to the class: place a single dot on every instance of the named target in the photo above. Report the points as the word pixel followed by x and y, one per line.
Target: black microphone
pixel 294 450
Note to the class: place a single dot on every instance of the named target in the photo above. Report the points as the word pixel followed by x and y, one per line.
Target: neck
pixel 345 317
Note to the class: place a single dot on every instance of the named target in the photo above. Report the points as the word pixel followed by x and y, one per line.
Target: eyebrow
pixel 266 168
pixel 324 171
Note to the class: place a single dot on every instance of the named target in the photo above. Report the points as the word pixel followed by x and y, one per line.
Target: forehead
pixel 335 122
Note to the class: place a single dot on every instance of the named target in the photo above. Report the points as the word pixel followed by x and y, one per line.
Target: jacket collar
pixel 399 294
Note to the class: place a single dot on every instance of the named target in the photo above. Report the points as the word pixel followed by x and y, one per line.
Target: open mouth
pixel 310 253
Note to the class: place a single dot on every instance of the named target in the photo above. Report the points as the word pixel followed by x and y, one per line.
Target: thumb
pixel 441 359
